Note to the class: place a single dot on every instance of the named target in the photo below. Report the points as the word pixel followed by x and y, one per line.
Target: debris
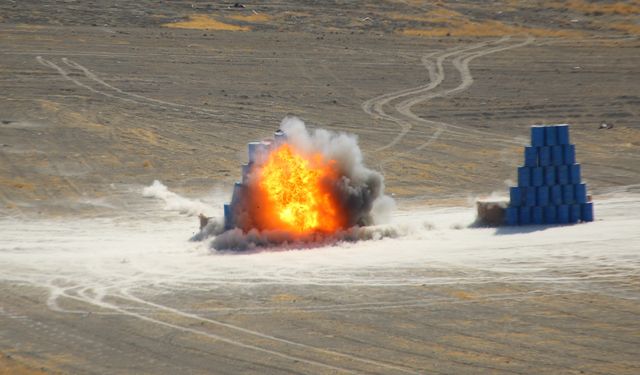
pixel 605 125
pixel 203 221
pixel 237 5
pixel 491 212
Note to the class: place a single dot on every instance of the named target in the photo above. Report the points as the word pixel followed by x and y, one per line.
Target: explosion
pixel 302 187
pixel 297 194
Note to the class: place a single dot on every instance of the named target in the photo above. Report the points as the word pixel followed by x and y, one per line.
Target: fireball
pixel 296 192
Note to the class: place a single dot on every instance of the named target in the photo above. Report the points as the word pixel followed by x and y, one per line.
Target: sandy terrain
pixel 98 99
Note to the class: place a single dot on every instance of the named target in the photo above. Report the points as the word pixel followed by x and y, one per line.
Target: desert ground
pixel 99 99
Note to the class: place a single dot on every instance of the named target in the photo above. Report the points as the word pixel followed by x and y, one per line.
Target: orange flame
pixel 296 193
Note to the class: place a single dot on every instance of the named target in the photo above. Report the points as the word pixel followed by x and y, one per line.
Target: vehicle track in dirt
pixel 401 113
pixel 89 296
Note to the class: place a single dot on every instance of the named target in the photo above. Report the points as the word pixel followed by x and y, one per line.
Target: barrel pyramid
pixel 258 153
pixel 550 188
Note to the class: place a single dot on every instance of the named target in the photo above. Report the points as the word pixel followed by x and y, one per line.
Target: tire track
pixel 374 106
pixel 238 118
pixel 127 295
pixel 234 119
pixel 151 102
pixel 65 74
pixel 403 115
pixel 90 75
pixel 99 302
pixel 461 63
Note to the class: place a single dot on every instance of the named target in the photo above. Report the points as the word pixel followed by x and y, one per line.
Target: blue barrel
pixel 562 133
pixel 524 215
pixel 542 194
pixel 562 172
pixel 512 216
pixel 537 136
pixel 550 135
pixel 537 177
pixel 569 154
pixel 580 193
pixel 550 215
pixel 575 213
pixel 567 194
pixel 530 196
pixel 574 173
pixel 524 176
pixel 544 156
pixel 531 156
pixel 556 195
pixel 557 155
pixel 563 214
pixel 537 215
pixel 587 212
pixel 228 217
pixel 237 194
pixel 246 170
pixel 515 195
pixel 550 175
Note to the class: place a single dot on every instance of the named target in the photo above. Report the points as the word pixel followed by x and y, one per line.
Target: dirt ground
pixel 98 99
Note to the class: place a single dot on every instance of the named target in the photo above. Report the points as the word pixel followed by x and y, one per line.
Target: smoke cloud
pixel 238 240
pixel 173 201
pixel 359 192
pixel 359 187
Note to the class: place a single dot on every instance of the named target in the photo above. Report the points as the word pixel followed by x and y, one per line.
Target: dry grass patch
pixel 489 28
pixel 17 184
pixel 619 7
pixel 447 22
pixel 204 22
pixel 284 298
pixel 628 28
pixel 12 367
pixel 438 15
pixel 254 17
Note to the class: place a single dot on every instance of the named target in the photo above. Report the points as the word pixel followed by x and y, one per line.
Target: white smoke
pixel 175 202
pixel 382 209
pixel 238 240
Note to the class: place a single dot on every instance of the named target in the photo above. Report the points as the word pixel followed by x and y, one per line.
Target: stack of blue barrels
pixel 550 190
